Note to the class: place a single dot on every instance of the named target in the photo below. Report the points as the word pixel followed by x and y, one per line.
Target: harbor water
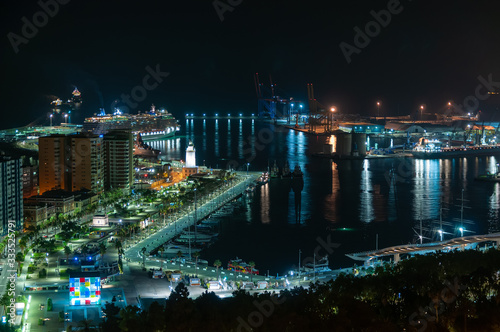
pixel 336 207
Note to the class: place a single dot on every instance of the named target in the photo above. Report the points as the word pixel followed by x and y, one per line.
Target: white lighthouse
pixel 190 156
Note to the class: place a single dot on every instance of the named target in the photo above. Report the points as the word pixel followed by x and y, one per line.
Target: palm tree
pixel 217 264
pixel 67 252
pixel 252 265
pixel 196 255
pixel 118 246
pixel 179 255
pixel 23 243
pixel 102 250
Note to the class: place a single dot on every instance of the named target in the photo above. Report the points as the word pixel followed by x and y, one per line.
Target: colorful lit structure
pixel 85 288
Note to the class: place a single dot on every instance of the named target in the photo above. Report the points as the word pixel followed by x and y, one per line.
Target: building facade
pixel 30 181
pixel 54 163
pixel 71 163
pixel 118 160
pixel 87 163
pixel 11 194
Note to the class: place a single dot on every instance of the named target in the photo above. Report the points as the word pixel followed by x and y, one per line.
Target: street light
pixel 421 111
pixel 378 109
pixel 65 118
pixel 332 110
pixel 461 229
pixel 248 165
pixel 441 235
pixel 51 119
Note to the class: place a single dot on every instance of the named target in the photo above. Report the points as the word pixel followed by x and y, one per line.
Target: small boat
pixel 275 170
pixel 238 265
pixel 263 179
pixel 210 221
pixel 200 233
pixel 174 249
pixel 320 266
pixel 488 177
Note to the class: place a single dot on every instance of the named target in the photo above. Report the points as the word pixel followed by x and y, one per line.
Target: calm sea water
pixel 349 202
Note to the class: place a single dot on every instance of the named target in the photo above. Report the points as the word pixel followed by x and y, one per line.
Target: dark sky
pixel 430 52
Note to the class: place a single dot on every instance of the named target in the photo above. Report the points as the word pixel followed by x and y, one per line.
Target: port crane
pixel 317 112
pixel 271 105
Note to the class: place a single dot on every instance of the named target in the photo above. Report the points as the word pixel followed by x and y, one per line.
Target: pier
pixel 221 116
pixel 412 249
pixel 171 230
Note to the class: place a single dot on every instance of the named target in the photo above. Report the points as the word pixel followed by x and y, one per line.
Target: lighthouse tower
pixel 190 155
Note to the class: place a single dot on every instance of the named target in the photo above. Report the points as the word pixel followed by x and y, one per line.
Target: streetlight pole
pixel 51 119
pixel 378 109
pixel 421 112
pixel 314 266
pixel 332 110
pixel 248 165
pixel 299 264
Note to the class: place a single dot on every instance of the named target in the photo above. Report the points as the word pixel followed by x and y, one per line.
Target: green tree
pixel 19 260
pixel 23 243
pixel 129 319
pixel 217 264
pixel 118 246
pixel 87 325
pixel 102 251
pixel 67 252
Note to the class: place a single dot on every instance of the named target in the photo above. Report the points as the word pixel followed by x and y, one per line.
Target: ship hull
pixel 458 152
pixel 156 135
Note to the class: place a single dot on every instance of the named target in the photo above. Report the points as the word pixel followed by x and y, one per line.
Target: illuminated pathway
pixel 412 249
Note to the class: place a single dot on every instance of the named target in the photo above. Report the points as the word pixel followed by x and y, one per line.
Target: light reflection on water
pixel 357 194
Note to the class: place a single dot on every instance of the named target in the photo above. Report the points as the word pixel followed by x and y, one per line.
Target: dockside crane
pixel 271 106
pixel 316 110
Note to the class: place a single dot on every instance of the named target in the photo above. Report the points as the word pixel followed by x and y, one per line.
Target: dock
pixel 175 228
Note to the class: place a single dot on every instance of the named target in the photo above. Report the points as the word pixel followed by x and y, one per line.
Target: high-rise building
pixel 87 163
pixel 118 160
pixel 54 163
pixel 71 163
pixel 30 180
pixel 11 194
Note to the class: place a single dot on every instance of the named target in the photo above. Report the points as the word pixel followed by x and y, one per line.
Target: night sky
pixel 429 53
